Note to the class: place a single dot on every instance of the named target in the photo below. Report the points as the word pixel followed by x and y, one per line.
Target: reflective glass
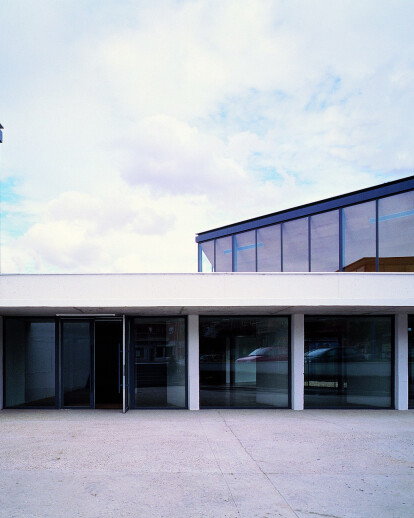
pixel 325 242
pixel 207 256
pixel 348 362
pixel 295 246
pixel 29 362
pixel 359 230
pixel 159 362
pixel 76 363
pixel 244 362
pixel 396 233
pixel 269 249
pixel 411 361
pixel 224 254
pixel 246 252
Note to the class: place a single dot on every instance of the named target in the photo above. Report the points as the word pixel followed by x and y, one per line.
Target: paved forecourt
pixel 215 463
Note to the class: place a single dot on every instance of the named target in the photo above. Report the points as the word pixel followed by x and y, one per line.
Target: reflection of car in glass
pixel 266 354
pixel 334 354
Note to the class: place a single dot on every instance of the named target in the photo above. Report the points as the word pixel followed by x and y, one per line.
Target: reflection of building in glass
pixel 364 231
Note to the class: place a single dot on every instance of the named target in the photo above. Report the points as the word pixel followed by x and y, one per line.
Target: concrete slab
pixel 350 496
pixel 214 463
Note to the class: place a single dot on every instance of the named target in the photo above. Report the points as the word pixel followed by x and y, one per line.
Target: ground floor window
pixel 29 362
pixel 158 349
pixel 244 362
pixel 411 361
pixel 348 362
pixel 73 362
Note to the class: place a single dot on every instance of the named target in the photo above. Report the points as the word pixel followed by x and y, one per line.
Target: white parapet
pixel 191 294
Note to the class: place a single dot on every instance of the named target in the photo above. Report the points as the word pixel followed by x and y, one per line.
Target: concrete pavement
pixel 214 463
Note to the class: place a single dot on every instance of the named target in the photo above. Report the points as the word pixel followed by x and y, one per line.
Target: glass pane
pixel 396 233
pixel 325 242
pixel 269 249
pixel 411 361
pixel 76 363
pixel 348 362
pixel 244 362
pixel 246 252
pixel 30 362
pixel 159 352
pixel 295 246
pixel 207 256
pixel 223 254
pixel 359 238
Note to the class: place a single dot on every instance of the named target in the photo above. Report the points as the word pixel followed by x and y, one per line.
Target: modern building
pixel 311 307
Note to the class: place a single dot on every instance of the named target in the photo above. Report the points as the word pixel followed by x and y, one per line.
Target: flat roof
pixel 300 211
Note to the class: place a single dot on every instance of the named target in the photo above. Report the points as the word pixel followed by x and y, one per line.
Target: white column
pixel 401 361
pixel 1 363
pixel 298 360
pixel 193 363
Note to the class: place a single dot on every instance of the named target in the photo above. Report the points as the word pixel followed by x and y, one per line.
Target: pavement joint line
pixel 259 467
pixel 222 474
pixel 343 426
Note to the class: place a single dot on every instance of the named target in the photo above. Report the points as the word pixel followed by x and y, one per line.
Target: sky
pixel 130 126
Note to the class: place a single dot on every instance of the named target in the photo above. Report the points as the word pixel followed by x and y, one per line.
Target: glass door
pixel 77 361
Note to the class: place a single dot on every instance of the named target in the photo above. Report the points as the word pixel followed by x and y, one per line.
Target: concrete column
pixel 1 363
pixel 297 360
pixel 401 361
pixel 193 363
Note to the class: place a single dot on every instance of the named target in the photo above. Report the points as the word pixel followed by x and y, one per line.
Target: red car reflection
pixel 266 354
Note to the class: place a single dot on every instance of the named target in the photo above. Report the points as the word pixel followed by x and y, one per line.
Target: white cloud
pixel 131 126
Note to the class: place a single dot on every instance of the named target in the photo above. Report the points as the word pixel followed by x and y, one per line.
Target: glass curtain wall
pixel 325 242
pixel 245 244
pixel 359 235
pixel 410 361
pixel 269 251
pixel 295 245
pixel 377 235
pixel 396 233
pixel 158 362
pixel 207 256
pixel 224 258
pixel 348 362
pixel 244 362
pixel 29 362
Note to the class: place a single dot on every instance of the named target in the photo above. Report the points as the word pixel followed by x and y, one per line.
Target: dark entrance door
pixel 108 364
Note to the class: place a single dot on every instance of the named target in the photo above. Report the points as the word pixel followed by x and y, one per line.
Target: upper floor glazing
pixel 365 231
